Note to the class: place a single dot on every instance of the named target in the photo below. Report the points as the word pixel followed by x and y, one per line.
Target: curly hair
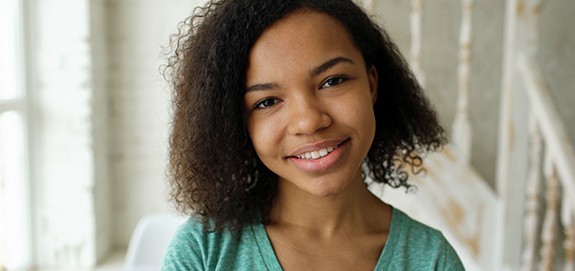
pixel 214 170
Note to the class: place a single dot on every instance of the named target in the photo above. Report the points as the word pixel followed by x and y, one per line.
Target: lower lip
pixel 321 164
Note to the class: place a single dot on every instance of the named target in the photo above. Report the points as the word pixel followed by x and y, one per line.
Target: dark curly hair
pixel 214 170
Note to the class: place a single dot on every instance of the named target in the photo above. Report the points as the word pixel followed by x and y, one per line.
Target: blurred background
pixel 84 111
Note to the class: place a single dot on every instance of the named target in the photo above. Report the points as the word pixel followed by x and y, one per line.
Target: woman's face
pixel 309 103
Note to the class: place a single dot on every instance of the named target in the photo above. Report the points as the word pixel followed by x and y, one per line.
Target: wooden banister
pixel 559 170
pixel 552 129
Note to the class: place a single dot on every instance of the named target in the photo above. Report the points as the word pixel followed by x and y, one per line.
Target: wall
pixel 138 106
pixel 61 85
pixel 557 41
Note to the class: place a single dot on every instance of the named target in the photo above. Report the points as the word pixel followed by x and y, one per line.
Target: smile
pixel 317 154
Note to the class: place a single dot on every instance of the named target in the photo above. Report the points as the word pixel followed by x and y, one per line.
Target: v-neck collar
pixel 272 263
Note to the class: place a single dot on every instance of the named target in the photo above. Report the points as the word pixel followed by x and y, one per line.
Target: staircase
pixel 528 223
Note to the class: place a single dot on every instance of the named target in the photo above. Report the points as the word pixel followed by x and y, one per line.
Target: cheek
pixel 261 135
pixel 363 118
pixel 369 117
pixel 366 120
pixel 358 110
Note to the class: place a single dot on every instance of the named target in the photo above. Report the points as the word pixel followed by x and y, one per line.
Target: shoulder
pixel 418 233
pixel 196 247
pixel 184 251
pixel 420 246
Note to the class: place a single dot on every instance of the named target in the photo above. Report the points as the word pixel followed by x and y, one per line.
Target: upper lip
pixel 316 146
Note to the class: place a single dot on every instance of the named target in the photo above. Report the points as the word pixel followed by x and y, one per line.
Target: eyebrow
pixel 264 86
pixel 314 72
pixel 330 63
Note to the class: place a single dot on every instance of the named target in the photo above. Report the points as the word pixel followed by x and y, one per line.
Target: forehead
pixel 305 20
pixel 304 36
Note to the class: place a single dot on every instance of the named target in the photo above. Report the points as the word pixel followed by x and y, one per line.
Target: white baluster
pixel 415 25
pixel 531 219
pixel 548 233
pixel 569 230
pixel 461 125
pixel 549 228
pixel 533 27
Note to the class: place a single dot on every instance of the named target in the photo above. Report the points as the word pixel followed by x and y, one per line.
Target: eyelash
pixel 329 82
pixel 260 104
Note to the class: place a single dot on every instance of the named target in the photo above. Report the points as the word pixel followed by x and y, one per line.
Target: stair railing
pixel 535 156
pixel 558 163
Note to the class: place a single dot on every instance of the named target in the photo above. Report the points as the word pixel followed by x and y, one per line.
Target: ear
pixel 373 83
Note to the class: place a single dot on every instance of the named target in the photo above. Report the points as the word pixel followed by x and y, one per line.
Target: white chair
pixel 150 240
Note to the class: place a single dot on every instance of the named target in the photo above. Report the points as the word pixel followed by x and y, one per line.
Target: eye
pixel 265 103
pixel 333 81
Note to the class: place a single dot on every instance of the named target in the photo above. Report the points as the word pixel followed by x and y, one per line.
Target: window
pixel 14 190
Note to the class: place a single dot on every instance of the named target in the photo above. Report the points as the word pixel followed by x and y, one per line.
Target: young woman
pixel 281 110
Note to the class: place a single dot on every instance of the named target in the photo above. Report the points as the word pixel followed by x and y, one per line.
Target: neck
pixel 355 209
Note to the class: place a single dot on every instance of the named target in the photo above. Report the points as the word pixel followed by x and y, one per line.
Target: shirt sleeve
pixel 451 261
pixel 183 253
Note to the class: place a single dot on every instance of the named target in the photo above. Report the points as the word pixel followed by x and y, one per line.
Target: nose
pixel 307 115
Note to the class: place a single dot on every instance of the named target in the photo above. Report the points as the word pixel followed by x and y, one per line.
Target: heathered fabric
pixel 410 246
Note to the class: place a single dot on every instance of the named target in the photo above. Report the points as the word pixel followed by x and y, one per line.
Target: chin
pixel 327 188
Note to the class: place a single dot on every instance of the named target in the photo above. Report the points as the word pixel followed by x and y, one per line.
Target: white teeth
pixel 316 154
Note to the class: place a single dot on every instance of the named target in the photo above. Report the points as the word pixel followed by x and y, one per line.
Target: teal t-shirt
pixel 410 246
